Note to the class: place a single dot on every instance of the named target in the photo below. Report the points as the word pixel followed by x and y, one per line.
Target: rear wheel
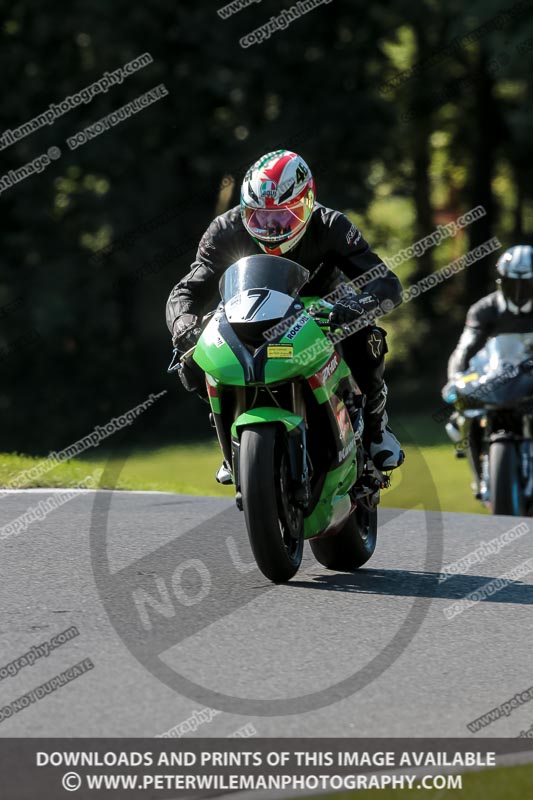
pixel 506 486
pixel 349 549
pixel 274 522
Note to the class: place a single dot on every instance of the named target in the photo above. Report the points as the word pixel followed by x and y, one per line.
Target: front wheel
pixel 349 549
pixel 506 486
pixel 273 521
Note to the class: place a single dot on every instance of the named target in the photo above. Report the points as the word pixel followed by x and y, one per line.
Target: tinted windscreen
pixel 263 272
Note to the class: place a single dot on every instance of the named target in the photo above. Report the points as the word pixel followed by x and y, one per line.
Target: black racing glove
pixel 186 332
pixel 350 308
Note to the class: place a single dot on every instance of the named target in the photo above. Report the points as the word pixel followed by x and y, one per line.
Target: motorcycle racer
pixel 507 310
pixel 278 214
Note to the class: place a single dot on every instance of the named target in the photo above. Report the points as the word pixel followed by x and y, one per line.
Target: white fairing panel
pixel 503 350
pixel 257 305
pixel 211 335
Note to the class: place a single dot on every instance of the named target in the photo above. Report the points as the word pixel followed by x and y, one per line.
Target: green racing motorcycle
pixel 280 394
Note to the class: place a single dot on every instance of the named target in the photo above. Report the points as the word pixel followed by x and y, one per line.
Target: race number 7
pixel 262 296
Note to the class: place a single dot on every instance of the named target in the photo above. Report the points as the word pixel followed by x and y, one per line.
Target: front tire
pixel 355 543
pixel 274 523
pixel 506 488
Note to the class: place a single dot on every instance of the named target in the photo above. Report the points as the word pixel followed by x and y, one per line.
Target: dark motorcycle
pixel 492 422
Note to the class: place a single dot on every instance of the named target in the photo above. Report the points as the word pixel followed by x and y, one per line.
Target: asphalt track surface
pixel 365 654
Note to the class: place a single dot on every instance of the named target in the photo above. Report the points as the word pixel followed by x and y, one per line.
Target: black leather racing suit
pixel 333 250
pixel 488 317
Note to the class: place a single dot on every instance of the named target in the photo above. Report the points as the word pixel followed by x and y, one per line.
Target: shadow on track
pixel 407 583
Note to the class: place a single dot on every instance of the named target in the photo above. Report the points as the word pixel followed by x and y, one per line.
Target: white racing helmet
pixel 277 199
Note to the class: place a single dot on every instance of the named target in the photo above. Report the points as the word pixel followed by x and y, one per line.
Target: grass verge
pixel 502 783
pixel 190 469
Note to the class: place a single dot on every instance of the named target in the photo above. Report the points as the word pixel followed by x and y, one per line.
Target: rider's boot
pixel 224 474
pixel 381 444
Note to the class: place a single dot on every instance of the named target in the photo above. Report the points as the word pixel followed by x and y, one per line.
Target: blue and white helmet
pixel 515 278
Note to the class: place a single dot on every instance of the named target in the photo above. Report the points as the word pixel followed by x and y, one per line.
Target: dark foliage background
pixel 85 340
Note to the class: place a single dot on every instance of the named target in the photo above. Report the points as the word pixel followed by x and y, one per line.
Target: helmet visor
pixel 275 224
pixel 518 290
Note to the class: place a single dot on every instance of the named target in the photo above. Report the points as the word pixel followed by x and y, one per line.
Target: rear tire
pixel 274 523
pixel 355 543
pixel 506 489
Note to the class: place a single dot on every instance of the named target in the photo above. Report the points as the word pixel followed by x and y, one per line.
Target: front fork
pixel 298 464
pixel 297 446
pixel 525 446
pixel 527 455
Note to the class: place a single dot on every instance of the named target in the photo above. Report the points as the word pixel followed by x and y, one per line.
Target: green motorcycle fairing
pixel 215 356
pixel 300 350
